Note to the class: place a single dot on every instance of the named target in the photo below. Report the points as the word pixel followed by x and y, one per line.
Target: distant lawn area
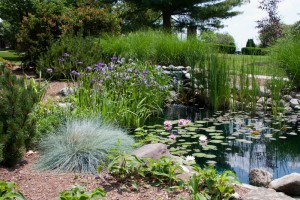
pixel 11 56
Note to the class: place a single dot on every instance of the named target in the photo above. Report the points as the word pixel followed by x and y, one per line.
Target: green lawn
pixel 262 65
pixel 11 56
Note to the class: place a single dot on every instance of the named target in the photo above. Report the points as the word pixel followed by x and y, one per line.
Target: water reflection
pixel 259 142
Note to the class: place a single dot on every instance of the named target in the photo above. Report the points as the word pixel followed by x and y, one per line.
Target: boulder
pixel 265 194
pixel 287 97
pixel 260 177
pixel 66 91
pixel 294 103
pixel 297 96
pixel 155 151
pixel 289 184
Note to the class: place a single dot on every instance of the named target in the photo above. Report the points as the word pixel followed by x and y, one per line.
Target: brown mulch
pixel 37 185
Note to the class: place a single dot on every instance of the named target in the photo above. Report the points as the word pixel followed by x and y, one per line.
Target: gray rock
pixel 297 96
pixel 261 100
pixel 188 75
pixel 287 97
pixel 265 194
pixel 288 109
pixel 289 184
pixel 66 91
pixel 155 151
pixel 260 177
pixel 294 103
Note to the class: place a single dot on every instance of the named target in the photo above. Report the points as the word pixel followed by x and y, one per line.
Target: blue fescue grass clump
pixel 81 145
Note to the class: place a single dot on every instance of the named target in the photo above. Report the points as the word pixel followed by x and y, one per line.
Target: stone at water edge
pixel 155 151
pixel 294 102
pixel 260 177
pixel 297 96
pixel 287 97
pixel 265 194
pixel 289 184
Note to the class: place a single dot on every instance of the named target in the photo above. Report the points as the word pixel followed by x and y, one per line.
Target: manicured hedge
pixel 253 51
pixel 228 49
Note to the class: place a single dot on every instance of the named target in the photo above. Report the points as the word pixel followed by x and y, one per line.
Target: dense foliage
pixel 16 131
pixel 286 54
pixel 8 190
pixel 189 13
pixel 254 51
pixel 79 193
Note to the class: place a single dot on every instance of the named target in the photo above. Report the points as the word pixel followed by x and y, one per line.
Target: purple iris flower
pixel 114 59
pixel 89 68
pixel 61 60
pixel 109 67
pixel 66 55
pixel 136 72
pixel 145 72
pixel 75 73
pixel 93 81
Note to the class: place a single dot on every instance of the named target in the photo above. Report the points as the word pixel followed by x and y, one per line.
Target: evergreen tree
pixel 16 102
pixel 191 13
pixel 250 43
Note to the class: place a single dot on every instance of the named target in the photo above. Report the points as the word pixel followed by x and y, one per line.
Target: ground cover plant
pixel 79 193
pixel 80 145
pixel 8 190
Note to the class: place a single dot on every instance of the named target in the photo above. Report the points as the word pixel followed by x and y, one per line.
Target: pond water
pixel 235 141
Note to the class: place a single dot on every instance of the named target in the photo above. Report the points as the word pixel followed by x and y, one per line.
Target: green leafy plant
pixel 80 145
pixel 16 133
pixel 208 184
pixel 124 93
pixel 79 193
pixel 8 190
pixel 156 172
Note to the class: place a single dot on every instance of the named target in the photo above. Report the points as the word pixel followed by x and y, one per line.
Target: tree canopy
pixel 197 13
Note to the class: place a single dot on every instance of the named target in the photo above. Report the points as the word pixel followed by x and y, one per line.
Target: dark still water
pixel 235 141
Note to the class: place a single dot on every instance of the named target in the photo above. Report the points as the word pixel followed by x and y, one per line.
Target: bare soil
pixel 37 185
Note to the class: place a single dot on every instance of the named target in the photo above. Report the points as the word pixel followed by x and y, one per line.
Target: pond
pixel 232 140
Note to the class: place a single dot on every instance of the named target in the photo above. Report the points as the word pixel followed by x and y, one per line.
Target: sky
pixel 242 27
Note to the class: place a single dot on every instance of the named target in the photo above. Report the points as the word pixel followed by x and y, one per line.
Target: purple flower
pixel 89 68
pixel 109 67
pixel 66 55
pixel 114 59
pixel 93 81
pixel 136 72
pixel 49 71
pixel 145 72
pixel 61 60
pixel 75 73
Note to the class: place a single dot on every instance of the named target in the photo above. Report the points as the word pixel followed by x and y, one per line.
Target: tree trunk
pixel 191 32
pixel 166 20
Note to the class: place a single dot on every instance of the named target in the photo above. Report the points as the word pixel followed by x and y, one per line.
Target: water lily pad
pixel 210 156
pixel 199 155
pixel 216 141
pixel 228 149
pixel 164 133
pixel 282 137
pixel 292 133
pixel 231 137
pixel 268 135
pixel 211 162
pixel 200 122
pixel 224 143
pixel 218 137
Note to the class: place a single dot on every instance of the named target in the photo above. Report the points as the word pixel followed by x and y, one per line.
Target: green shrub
pixel 17 98
pixel 227 49
pixel 8 190
pixel 80 145
pixel 254 51
pixel 67 54
pixel 78 193
pixel 286 54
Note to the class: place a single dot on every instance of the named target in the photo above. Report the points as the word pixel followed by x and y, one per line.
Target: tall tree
pixel 192 12
pixel 270 28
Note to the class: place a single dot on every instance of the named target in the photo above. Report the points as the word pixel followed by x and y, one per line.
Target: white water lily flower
pixel 202 139
pixel 190 158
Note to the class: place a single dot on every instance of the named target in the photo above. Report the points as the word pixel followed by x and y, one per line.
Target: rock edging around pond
pixel 289 184
pixel 279 189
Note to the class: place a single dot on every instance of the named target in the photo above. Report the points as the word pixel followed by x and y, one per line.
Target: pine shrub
pixel 81 145
pixel 17 98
